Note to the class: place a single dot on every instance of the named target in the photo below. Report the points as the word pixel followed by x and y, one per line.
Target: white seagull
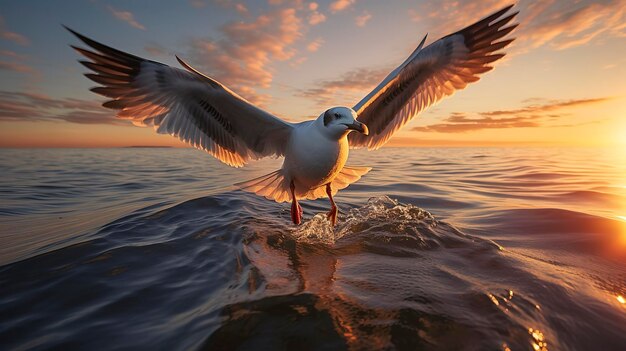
pixel 206 114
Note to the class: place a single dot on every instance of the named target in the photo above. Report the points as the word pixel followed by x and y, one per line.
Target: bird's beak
pixel 359 127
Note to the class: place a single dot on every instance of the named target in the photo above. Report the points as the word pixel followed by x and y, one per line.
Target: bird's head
pixel 339 121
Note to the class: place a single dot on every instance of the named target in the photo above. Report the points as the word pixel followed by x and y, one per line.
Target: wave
pixel 227 271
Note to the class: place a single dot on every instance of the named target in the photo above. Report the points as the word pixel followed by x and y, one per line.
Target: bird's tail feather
pixel 274 186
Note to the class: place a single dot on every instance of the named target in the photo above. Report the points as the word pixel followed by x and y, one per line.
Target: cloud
pixel 530 116
pixel 315 17
pixel 15 66
pixel 446 16
pixel 315 45
pixel 127 17
pixel 362 20
pixel 293 3
pixel 13 55
pixel 558 25
pixel 298 61
pixel 561 27
pixel 458 123
pixel 12 36
pixel 349 88
pixel 414 15
pixel 340 5
pixel 241 8
pixel 24 106
pixel 546 107
pixel 242 57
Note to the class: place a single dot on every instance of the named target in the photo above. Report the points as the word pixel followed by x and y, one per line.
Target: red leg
pixel 296 209
pixel 332 215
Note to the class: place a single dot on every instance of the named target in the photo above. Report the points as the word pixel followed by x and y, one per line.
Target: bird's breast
pixel 313 160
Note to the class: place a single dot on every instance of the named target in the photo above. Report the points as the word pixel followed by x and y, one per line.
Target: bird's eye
pixel 337 115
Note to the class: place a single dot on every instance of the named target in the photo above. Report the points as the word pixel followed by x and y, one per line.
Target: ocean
pixel 435 249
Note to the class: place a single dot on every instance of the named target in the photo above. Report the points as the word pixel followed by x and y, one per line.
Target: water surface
pixel 436 248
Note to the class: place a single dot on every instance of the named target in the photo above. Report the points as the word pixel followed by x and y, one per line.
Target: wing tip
pixel 419 47
pixel 189 68
pixel 182 63
pixel 82 38
pixel 506 9
pixel 496 15
pixel 69 29
pixel 113 105
pixel 103 49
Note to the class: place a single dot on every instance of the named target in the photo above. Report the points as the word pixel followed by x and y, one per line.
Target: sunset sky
pixel 563 81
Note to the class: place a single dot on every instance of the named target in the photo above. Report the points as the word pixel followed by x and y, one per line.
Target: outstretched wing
pixel 186 104
pixel 428 75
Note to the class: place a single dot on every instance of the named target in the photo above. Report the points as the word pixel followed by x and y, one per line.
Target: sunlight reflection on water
pixel 539 343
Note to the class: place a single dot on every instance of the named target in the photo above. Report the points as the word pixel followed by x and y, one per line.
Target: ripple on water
pixel 227 270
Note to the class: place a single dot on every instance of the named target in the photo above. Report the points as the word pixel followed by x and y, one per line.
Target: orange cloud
pixel 315 45
pixel 242 58
pixel 340 5
pixel 241 8
pixel 548 23
pixel 296 3
pixel 127 17
pixel 315 17
pixel 362 20
pixel 556 24
pixel 534 115
pixel 546 107
pixel 458 123
pixel 445 16
pixel 12 36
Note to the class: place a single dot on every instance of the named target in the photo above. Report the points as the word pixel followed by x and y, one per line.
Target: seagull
pixel 206 114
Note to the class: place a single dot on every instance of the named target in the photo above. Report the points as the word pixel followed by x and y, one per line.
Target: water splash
pixel 378 211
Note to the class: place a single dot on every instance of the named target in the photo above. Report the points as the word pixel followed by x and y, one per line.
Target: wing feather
pixel 184 103
pixel 430 74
